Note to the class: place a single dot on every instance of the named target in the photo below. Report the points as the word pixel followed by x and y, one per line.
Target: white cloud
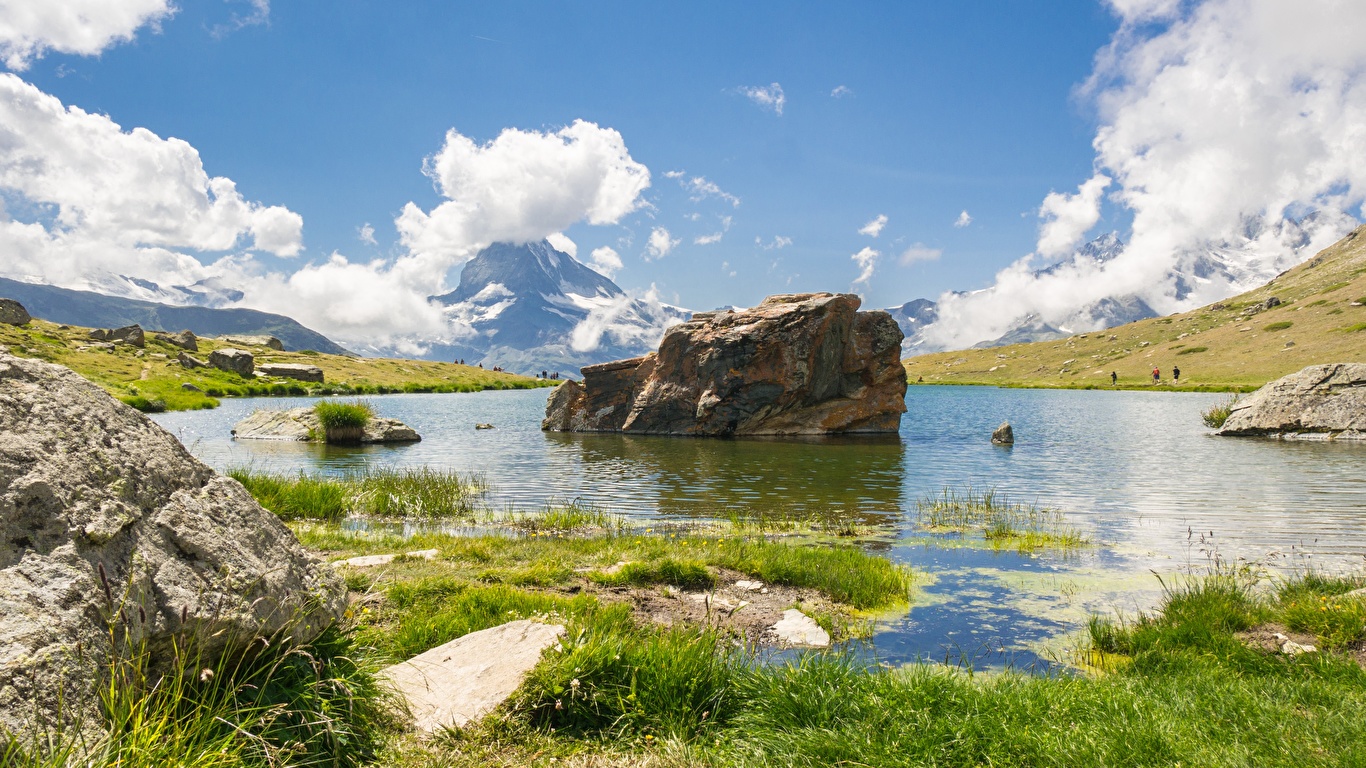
pixel 1216 119
pixel 260 14
pixel 874 227
pixel 714 237
pixel 660 244
pixel 86 197
pixel 700 189
pixel 626 319
pixel 673 174
pixel 561 242
pixel 366 234
pixel 919 252
pixel 867 262
pixel 31 28
pixel 1067 218
pixel 605 260
pixel 963 220
pixel 841 91
pixel 768 97
pixel 521 187
pixel 776 244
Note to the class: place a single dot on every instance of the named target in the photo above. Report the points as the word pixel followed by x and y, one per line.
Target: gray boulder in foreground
pixel 109 522
pixel 301 425
pixel 465 679
pixel 13 313
pixel 1321 402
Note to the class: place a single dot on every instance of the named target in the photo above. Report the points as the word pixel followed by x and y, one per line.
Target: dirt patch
pixel 736 606
pixel 1271 638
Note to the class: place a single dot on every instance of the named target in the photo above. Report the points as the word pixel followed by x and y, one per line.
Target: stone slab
pixel 798 629
pixel 465 679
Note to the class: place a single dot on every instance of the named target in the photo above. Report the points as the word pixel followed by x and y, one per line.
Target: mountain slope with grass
pixel 152 379
pixel 1313 313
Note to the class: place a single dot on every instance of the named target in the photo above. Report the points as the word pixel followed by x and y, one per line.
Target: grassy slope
pixel 1322 300
pixel 157 376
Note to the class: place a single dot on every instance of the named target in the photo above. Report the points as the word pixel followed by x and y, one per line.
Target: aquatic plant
pixel 343 422
pixel 384 492
pixel 1003 523
pixel 1215 415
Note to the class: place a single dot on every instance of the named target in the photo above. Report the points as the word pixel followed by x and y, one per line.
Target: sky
pixel 339 161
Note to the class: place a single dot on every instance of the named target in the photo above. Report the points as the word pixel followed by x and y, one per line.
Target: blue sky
pixel 339 161
pixel 328 108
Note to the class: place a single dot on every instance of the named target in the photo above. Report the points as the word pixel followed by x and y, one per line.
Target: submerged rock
pixel 111 528
pixel 296 371
pixel 1318 402
pixel 238 361
pixel 13 313
pixel 798 364
pixel 302 425
pixel 1004 434
pixel 465 679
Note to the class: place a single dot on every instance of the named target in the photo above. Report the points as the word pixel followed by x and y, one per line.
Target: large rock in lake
pixel 109 527
pixel 302 425
pixel 798 364
pixel 1319 402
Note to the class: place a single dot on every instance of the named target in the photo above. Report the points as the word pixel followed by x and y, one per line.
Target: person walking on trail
pixel 1114 377
pixel 1157 375
pixel 1176 373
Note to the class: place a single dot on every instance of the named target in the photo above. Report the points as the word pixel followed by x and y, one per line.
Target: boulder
pixel 1321 401
pixel 129 334
pixel 302 425
pixel 255 341
pixel 184 339
pixel 296 371
pixel 112 529
pixel 798 364
pixel 238 361
pixel 465 679
pixel 189 361
pixel 1003 435
pixel 13 313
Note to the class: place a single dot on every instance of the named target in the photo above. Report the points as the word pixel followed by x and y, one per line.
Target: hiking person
pixel 1114 378
pixel 1176 373
pixel 1157 375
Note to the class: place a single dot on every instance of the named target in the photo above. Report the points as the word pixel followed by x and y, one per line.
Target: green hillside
pixel 1235 344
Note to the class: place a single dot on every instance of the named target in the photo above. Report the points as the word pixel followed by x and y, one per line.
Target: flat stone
pixel 299 372
pixel 370 561
pixel 254 341
pixel 1292 648
pixel 749 586
pixel 798 629
pixel 465 679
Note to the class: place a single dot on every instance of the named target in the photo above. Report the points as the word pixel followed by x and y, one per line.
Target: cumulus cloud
pixel 841 91
pixel 85 196
pixel 366 234
pixel 31 28
pixel 605 260
pixel 874 227
pixel 660 244
pixel 919 252
pixel 1067 218
pixel 1218 120
pixel 561 242
pixel 963 220
pixel 700 189
pixel 627 320
pixel 866 259
pixel 521 187
pixel 776 244
pixel 768 97
pixel 711 239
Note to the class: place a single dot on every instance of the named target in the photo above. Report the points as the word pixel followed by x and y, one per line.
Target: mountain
pixel 97 310
pixel 528 308
pixel 1310 314
pixel 1207 273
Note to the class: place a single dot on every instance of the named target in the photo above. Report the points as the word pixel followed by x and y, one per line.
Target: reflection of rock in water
pixel 863 478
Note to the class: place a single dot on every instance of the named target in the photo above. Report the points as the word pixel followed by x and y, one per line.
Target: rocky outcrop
pixel 310 373
pixel 184 339
pixel 110 528
pixel 238 361
pixel 799 364
pixel 302 425
pixel 13 313
pixel 1322 402
pixel 255 341
pixel 131 335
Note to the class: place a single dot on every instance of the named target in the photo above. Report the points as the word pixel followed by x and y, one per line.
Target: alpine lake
pixel 1137 473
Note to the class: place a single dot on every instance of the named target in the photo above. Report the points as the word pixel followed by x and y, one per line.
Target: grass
pixel 1241 351
pixel 1215 415
pixel 381 492
pixel 143 377
pixel 1002 523
pixel 335 416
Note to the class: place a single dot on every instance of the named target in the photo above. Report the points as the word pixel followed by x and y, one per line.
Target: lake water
pixel 1136 471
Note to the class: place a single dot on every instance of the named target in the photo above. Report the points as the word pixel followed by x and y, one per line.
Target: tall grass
pixel 383 492
pixel 335 415
pixel 1003 523
pixel 1215 415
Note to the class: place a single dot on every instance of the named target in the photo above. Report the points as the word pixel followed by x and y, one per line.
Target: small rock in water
pixel 483 426
pixel 1003 435
pixel 796 628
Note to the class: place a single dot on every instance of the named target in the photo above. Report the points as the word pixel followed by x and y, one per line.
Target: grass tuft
pixel 1215 415
pixel 1003 523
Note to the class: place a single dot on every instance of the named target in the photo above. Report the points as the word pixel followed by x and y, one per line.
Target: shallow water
pixel 1136 471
